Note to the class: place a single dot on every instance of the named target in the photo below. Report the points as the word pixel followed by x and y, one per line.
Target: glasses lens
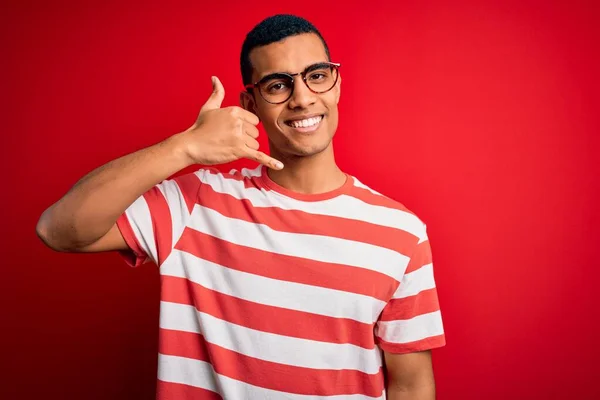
pixel 322 78
pixel 276 89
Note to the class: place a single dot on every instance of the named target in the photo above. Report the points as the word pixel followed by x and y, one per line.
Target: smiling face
pixel 305 124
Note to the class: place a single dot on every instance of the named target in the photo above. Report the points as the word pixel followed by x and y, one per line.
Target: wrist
pixel 179 147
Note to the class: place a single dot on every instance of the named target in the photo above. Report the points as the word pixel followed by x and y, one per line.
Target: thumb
pixel 216 97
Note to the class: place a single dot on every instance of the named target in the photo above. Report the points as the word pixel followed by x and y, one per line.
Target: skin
pixel 83 220
pixel 310 168
pixel 308 157
pixel 410 376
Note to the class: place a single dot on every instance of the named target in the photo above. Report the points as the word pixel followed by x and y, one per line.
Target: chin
pixel 300 150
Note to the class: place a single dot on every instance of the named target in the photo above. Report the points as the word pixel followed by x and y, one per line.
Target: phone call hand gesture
pixel 221 135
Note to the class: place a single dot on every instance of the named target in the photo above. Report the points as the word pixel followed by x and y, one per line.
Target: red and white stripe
pixel 268 296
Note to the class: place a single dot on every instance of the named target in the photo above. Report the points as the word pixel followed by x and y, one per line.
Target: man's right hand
pixel 221 135
pixel 84 219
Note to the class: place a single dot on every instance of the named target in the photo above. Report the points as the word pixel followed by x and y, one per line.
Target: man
pixel 295 282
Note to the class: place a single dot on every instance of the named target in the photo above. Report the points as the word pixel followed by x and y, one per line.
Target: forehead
pixel 291 54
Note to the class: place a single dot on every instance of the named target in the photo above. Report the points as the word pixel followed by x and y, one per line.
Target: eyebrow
pixel 309 68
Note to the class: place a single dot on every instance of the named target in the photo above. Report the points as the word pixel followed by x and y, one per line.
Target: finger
pixel 250 130
pixel 216 97
pixel 247 116
pixel 263 159
pixel 251 143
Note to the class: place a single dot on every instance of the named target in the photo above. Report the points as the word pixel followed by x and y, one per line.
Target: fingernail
pixel 278 165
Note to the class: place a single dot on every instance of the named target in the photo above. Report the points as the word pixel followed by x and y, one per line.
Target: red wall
pixel 480 117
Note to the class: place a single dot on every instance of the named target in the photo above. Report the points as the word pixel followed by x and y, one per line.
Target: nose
pixel 302 97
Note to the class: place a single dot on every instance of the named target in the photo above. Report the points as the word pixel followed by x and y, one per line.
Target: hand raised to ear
pixel 221 135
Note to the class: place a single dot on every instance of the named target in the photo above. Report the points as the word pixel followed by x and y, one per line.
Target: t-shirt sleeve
pixel 154 222
pixel 411 321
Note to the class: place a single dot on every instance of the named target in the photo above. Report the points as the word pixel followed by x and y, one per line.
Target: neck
pixel 308 174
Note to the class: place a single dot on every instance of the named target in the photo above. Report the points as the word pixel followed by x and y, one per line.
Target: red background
pixel 481 117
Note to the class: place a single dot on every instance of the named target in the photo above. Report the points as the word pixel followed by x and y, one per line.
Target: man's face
pixel 292 55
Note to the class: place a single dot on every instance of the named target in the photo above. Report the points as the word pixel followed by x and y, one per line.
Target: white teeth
pixel 305 123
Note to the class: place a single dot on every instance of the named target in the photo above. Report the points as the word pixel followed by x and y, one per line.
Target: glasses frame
pixel 256 85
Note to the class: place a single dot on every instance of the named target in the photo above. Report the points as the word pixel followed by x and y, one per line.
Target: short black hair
pixel 271 30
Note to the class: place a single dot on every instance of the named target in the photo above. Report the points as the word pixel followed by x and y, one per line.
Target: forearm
pixel 96 201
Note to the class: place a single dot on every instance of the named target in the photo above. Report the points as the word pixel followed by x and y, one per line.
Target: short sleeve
pixel 153 223
pixel 411 321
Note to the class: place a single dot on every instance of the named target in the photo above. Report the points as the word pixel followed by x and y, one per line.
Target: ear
pixel 338 89
pixel 247 102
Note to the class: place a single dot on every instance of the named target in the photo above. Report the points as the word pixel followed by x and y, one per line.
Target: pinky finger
pixel 264 159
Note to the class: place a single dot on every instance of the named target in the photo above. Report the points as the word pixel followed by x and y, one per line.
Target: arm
pixel 409 376
pixel 409 326
pixel 84 219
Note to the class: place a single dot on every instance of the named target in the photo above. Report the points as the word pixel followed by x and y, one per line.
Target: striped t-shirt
pixel 271 294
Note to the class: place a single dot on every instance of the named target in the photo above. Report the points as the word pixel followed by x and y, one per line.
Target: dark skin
pixel 310 168
pixel 83 220
pixel 308 158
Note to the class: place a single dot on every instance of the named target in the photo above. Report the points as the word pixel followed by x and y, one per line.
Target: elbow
pixel 47 233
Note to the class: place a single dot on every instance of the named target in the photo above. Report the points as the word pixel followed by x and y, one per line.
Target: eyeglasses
pixel 277 88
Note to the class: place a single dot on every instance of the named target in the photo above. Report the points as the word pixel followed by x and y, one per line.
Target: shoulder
pixel 206 174
pixel 380 203
pixel 236 182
